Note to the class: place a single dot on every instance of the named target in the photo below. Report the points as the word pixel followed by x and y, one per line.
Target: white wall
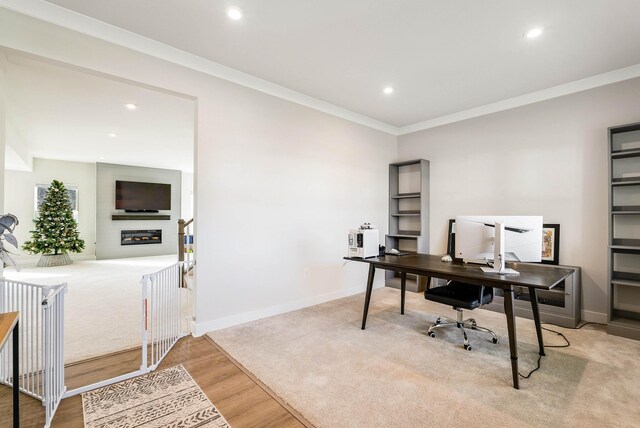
pixel 187 195
pixel 548 158
pixel 278 189
pixel 17 156
pixel 277 185
pixel 3 121
pixel 3 80
pixel 19 200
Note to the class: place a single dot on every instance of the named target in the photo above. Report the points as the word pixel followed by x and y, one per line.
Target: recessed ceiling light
pixel 234 12
pixel 101 158
pixel 131 106
pixel 534 32
pixel 113 134
pixel 388 90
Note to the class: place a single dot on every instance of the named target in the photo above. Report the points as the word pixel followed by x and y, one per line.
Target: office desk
pixel 9 323
pixel 534 277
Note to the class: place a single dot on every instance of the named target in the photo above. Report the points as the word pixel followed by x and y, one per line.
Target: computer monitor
pixel 475 238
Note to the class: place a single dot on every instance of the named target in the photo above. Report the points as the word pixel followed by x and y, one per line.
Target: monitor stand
pixel 499 261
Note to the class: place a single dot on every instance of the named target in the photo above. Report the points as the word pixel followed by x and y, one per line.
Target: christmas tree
pixel 56 229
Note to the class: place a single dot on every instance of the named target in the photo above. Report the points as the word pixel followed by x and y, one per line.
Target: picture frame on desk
pixel 550 244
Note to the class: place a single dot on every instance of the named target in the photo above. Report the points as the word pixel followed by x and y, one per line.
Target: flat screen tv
pixel 134 196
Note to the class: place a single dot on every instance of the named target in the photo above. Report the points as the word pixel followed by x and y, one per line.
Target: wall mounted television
pixel 134 196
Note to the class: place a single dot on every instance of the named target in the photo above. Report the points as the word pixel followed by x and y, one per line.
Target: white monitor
pixel 475 238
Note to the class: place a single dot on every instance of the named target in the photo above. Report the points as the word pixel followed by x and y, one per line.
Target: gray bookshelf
pixel 408 216
pixel 624 231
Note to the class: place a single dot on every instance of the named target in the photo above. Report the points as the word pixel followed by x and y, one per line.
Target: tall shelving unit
pixel 408 215
pixel 624 231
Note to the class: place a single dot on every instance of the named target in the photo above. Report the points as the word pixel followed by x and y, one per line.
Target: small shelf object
pixel 407 213
pixel 409 195
pixel 408 216
pixel 624 231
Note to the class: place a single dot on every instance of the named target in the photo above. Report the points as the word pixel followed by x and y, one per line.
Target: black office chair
pixel 460 296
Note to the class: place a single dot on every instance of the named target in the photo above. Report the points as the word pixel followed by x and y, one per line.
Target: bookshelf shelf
pixel 624 231
pixel 409 215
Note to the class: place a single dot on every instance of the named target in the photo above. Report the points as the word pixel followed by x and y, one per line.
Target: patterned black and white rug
pixel 167 398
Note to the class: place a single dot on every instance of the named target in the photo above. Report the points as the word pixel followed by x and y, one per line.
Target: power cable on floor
pixel 566 345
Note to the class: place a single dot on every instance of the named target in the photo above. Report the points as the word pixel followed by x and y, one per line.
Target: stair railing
pixel 185 248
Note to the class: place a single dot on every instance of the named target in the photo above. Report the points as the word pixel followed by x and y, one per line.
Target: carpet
pixel 166 398
pixel 320 362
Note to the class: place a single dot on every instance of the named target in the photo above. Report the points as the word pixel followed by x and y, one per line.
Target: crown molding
pixel 62 17
pixel 530 98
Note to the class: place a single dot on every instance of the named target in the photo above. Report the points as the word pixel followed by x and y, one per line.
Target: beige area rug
pixel 166 398
pixel 103 310
pixel 393 375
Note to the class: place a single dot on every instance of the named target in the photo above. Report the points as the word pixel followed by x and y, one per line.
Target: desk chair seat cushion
pixel 460 295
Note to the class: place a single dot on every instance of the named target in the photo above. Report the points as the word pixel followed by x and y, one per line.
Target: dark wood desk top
pixel 7 321
pixel 531 275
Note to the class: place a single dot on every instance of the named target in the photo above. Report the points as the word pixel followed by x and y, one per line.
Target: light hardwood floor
pixel 239 396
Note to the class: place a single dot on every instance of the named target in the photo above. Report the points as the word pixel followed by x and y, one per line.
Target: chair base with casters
pixel 461 324
pixel 460 296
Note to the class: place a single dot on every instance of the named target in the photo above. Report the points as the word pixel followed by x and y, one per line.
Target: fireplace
pixel 140 237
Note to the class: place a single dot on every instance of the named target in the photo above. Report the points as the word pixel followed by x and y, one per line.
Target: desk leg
pixel 367 297
pixel 403 290
pixel 536 317
pixel 16 376
pixel 513 339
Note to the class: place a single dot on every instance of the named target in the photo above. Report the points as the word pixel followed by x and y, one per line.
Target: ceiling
pixel 442 57
pixel 56 112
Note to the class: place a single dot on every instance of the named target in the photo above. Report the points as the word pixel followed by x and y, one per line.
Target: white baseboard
pixel 200 328
pixel 591 316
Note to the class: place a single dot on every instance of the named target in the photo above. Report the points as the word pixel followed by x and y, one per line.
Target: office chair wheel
pixel 431 334
pixel 467 347
pixel 495 340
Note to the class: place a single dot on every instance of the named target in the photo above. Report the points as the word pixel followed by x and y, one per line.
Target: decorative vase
pixel 49 260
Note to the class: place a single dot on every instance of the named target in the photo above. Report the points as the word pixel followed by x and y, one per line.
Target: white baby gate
pixel 164 321
pixel 41 344
pixel 165 312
